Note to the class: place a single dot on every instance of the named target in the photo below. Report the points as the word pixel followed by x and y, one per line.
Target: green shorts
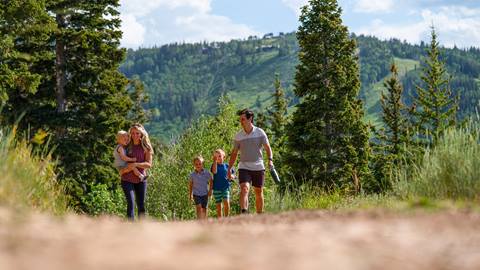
pixel 221 195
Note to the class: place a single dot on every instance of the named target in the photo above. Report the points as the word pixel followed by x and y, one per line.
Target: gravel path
pixel 294 240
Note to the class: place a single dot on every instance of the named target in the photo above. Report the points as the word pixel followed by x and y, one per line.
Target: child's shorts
pixel 221 195
pixel 203 200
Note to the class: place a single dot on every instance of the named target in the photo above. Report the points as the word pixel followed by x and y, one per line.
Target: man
pixel 249 142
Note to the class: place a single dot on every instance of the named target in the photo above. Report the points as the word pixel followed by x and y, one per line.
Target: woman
pixel 141 149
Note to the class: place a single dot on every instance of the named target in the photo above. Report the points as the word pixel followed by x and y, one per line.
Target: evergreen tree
pixel 278 112
pixel 277 116
pixel 328 142
pixel 395 136
pixel 25 57
pixel 436 107
pixel 393 141
pixel 261 122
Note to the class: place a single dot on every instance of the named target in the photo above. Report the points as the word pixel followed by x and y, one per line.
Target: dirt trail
pixel 295 240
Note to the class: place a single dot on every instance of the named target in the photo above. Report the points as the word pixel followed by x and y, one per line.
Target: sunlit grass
pixel 28 180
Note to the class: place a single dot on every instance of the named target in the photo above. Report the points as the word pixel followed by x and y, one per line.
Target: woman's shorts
pixel 221 195
pixel 203 200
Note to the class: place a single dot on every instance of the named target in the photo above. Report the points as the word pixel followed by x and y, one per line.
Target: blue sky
pixel 156 22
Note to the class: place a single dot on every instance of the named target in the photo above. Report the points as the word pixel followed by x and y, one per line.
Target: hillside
pixel 186 80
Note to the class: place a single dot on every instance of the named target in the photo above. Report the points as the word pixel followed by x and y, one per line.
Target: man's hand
pixel 190 197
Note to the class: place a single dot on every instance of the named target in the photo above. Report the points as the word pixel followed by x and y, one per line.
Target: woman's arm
pixel 127 169
pixel 147 164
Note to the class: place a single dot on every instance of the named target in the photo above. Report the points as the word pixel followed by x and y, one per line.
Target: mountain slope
pixel 186 80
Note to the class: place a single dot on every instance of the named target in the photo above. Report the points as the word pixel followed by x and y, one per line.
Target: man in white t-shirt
pixel 249 142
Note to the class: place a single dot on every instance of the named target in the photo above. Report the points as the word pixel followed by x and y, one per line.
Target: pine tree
pixel 261 122
pixel 278 112
pixel 395 136
pixel 393 144
pixel 277 115
pixel 328 142
pixel 435 106
pixel 25 57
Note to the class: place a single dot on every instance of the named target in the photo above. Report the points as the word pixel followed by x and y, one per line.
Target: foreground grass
pixel 389 202
pixel 28 179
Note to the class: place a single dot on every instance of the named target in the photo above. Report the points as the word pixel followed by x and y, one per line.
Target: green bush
pixel 28 179
pixel 450 170
pixel 100 200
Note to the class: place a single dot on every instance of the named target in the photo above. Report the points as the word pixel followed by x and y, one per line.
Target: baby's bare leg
pixel 136 172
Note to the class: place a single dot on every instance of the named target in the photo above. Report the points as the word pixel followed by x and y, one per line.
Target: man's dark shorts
pixel 257 178
pixel 203 200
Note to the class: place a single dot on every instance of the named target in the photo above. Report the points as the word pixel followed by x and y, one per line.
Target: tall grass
pixel 27 177
pixel 450 170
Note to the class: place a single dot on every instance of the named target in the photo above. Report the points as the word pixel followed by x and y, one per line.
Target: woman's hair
pixel 199 158
pixel 145 141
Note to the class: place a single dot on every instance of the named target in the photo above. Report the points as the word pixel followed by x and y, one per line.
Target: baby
pixel 120 154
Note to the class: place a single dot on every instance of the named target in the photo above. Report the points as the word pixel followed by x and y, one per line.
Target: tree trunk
pixel 60 65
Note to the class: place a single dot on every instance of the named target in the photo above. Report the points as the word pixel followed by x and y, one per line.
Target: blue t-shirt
pixel 220 180
pixel 200 182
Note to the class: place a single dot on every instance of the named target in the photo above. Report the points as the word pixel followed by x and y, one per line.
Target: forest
pixel 184 81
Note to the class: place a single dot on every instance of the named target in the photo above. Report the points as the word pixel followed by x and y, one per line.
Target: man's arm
pixel 268 149
pixel 233 158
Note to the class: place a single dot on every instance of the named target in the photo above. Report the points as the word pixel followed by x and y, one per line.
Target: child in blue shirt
pixel 198 187
pixel 221 184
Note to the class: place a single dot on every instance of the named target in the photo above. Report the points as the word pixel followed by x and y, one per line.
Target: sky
pixel 147 23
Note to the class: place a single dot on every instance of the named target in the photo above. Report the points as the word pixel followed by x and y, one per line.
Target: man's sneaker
pixel 244 211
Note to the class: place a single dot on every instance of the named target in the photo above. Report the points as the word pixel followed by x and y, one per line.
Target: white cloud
pixel 212 28
pixel 133 32
pixel 373 6
pixel 168 21
pixel 295 5
pixel 455 25
pixel 411 33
